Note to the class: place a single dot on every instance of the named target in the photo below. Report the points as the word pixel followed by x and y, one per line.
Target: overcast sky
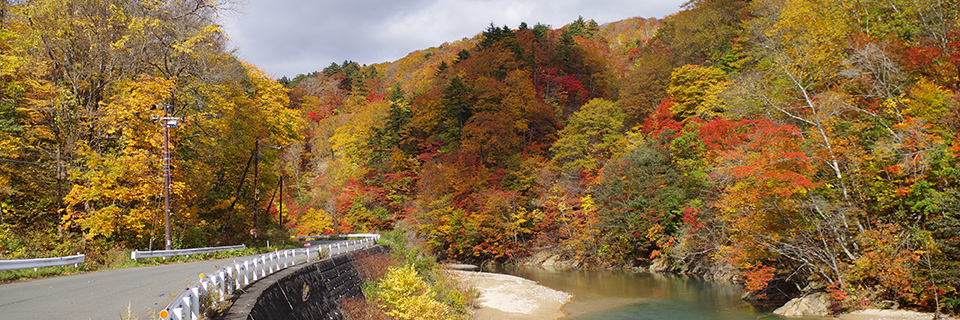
pixel 290 37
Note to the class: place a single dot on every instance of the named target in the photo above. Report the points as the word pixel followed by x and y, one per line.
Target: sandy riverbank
pixel 505 297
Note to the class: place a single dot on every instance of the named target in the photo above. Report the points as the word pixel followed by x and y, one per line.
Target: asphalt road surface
pixel 107 294
pixel 104 294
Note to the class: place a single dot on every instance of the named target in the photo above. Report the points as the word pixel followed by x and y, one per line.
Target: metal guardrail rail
pixel 328 236
pixel 227 280
pixel 75 260
pixel 181 252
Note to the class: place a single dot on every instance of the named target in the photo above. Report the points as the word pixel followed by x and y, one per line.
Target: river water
pixel 609 295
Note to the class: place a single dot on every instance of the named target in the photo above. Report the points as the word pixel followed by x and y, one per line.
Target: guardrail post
pixel 246 276
pixel 263 269
pixel 195 303
pixel 214 285
pixel 256 268
pixel 268 263
pixel 234 281
pixel 222 286
pixel 231 278
pixel 188 308
pixel 204 282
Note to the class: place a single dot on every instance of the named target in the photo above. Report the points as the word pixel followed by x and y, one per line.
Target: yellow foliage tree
pixel 695 91
pixel 404 294
pixel 315 222
pixel 349 140
pixel 116 191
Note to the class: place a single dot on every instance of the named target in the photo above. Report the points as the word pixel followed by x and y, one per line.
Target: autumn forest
pixel 795 143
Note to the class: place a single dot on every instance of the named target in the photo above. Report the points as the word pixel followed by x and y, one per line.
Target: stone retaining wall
pixel 309 291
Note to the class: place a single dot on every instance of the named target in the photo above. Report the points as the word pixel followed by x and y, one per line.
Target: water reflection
pixel 628 295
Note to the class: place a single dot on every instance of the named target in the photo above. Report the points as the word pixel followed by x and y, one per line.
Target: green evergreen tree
pixel 462 55
pixel 540 30
pixel 457 103
pixel 388 138
pixel 586 29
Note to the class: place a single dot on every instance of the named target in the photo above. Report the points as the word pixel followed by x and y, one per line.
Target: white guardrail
pixel 181 252
pixel 186 305
pixel 328 236
pixel 75 260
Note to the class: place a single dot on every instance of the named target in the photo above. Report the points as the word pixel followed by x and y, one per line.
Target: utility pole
pixel 256 186
pixel 280 213
pixel 168 123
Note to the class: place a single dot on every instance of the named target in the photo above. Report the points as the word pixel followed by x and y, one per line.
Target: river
pixel 610 295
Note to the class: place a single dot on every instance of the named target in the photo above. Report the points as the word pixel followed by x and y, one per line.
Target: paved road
pixel 107 294
pixel 101 295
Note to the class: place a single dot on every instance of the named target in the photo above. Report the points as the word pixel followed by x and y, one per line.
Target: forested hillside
pixel 801 142
pixel 805 143
pixel 82 86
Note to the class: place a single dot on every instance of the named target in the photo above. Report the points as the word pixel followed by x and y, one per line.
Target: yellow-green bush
pixel 404 294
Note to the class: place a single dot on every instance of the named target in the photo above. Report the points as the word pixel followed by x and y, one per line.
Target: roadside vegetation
pixel 407 283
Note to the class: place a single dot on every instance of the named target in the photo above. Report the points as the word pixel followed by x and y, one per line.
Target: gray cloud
pixel 290 37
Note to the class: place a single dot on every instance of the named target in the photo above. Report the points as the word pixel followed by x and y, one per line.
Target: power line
pixel 89 113
pixel 37 156
pixel 73 167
